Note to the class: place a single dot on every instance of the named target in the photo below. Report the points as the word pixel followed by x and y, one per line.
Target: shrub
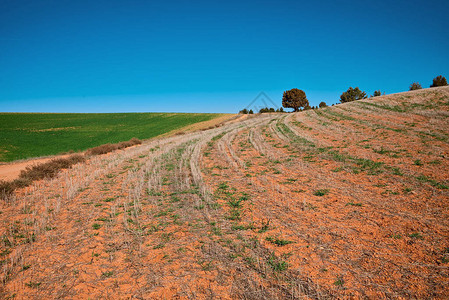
pixel 37 172
pixel 48 169
pixel 415 86
pixel 352 95
pixel 243 111
pixel 106 148
pixel 21 182
pixel 322 104
pixel 123 145
pixel 6 188
pixel 135 141
pixel 377 93
pixel 439 81
pixel 250 112
pixel 295 99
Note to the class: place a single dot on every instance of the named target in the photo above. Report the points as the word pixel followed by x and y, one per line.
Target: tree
pixel 415 86
pixel 281 109
pixel 295 99
pixel 352 95
pixel 250 112
pixel 439 81
pixel 377 93
pixel 322 104
pixel 267 110
pixel 243 111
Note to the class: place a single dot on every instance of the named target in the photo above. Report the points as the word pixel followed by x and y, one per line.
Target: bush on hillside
pixel 439 81
pixel 243 111
pixel 49 169
pixel 106 148
pixel 281 109
pixel 377 93
pixel 352 95
pixel 322 104
pixel 415 86
pixel 102 149
pixel 6 189
pixel 37 172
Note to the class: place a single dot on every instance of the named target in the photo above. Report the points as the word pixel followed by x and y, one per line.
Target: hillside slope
pixel 350 200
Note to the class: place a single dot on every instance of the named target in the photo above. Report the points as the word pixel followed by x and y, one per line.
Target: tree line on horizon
pixel 296 98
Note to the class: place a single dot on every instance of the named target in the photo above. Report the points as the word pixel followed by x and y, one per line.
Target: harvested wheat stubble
pixel 310 205
pixel 38 172
pixel 51 168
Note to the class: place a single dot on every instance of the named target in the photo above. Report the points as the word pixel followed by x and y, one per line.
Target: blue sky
pixel 211 56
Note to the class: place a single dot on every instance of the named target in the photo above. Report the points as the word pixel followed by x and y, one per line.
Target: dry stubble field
pixel 346 201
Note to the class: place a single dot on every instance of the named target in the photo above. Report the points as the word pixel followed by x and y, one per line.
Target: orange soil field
pixel 350 201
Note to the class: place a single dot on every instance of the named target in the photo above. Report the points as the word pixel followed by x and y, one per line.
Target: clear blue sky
pixel 211 56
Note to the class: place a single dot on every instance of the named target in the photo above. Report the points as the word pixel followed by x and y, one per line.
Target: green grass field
pixel 25 135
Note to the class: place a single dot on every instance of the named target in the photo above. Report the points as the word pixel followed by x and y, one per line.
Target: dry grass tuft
pixel 103 149
pixel 37 172
pixel 106 148
pixel 6 188
pixel 51 169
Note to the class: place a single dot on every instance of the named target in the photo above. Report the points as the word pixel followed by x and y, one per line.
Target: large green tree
pixel 352 95
pixel 295 99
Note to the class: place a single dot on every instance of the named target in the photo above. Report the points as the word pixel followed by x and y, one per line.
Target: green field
pixel 25 135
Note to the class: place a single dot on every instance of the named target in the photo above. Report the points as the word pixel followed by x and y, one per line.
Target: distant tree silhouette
pixel 295 99
pixel 415 86
pixel 266 109
pixel 322 104
pixel 250 112
pixel 281 109
pixel 377 93
pixel 352 95
pixel 243 111
pixel 439 81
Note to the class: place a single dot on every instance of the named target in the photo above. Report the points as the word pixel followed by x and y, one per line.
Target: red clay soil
pixel 348 201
